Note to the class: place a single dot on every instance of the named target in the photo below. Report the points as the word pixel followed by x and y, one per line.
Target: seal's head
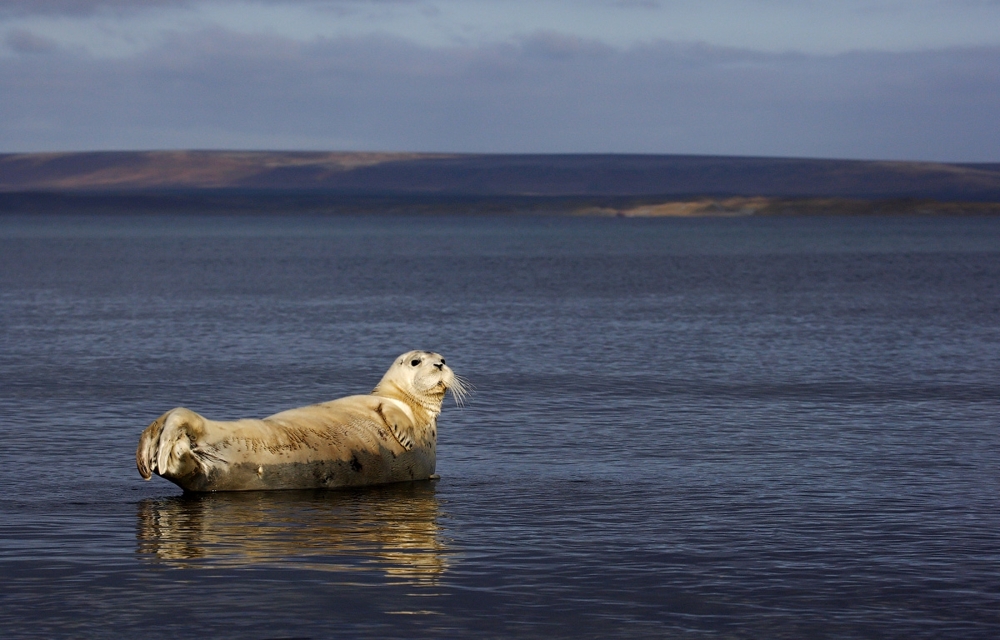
pixel 421 378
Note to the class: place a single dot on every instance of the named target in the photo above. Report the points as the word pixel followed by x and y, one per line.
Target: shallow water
pixel 735 428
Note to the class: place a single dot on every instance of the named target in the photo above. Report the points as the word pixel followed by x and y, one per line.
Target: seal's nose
pixel 440 365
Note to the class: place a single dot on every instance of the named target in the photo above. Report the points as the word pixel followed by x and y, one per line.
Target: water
pixel 737 428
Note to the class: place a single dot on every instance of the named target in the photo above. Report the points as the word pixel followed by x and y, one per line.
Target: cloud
pixel 637 4
pixel 544 93
pixel 114 26
pixel 87 7
pixel 24 41
pixel 552 44
pixel 80 7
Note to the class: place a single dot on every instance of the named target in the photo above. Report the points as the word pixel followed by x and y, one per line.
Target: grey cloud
pixel 24 41
pixel 637 4
pixel 80 7
pixel 546 93
pixel 87 7
pixel 553 44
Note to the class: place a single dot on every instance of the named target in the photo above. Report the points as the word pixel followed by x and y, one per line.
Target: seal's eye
pixel 442 360
pixel 414 363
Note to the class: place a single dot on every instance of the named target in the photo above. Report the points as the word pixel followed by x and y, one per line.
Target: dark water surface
pixel 738 428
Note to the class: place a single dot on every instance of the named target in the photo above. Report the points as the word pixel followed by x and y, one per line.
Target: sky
pixel 865 79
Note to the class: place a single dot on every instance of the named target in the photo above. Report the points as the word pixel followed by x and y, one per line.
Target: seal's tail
pixel 165 445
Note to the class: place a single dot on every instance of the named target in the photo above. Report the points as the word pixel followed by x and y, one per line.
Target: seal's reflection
pixel 393 529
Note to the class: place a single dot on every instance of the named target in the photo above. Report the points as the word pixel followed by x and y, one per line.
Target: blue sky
pixel 873 79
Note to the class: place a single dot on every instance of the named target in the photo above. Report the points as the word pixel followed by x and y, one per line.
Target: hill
pixel 582 183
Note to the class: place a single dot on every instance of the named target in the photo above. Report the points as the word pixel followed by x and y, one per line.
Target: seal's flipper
pixel 169 448
pixel 398 423
pixel 145 453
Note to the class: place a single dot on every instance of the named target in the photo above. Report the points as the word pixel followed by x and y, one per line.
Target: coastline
pixel 622 185
pixel 267 202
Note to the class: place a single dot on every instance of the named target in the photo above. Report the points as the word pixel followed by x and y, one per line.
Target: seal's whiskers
pixel 460 390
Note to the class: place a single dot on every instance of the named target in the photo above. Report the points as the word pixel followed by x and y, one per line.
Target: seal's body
pixel 387 436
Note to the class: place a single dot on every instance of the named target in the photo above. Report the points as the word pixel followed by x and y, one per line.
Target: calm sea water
pixel 735 428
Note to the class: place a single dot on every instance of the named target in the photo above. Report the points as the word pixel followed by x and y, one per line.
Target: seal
pixel 387 436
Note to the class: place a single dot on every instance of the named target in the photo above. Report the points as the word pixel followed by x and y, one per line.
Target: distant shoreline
pixel 281 203
pixel 568 184
pixel 759 206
